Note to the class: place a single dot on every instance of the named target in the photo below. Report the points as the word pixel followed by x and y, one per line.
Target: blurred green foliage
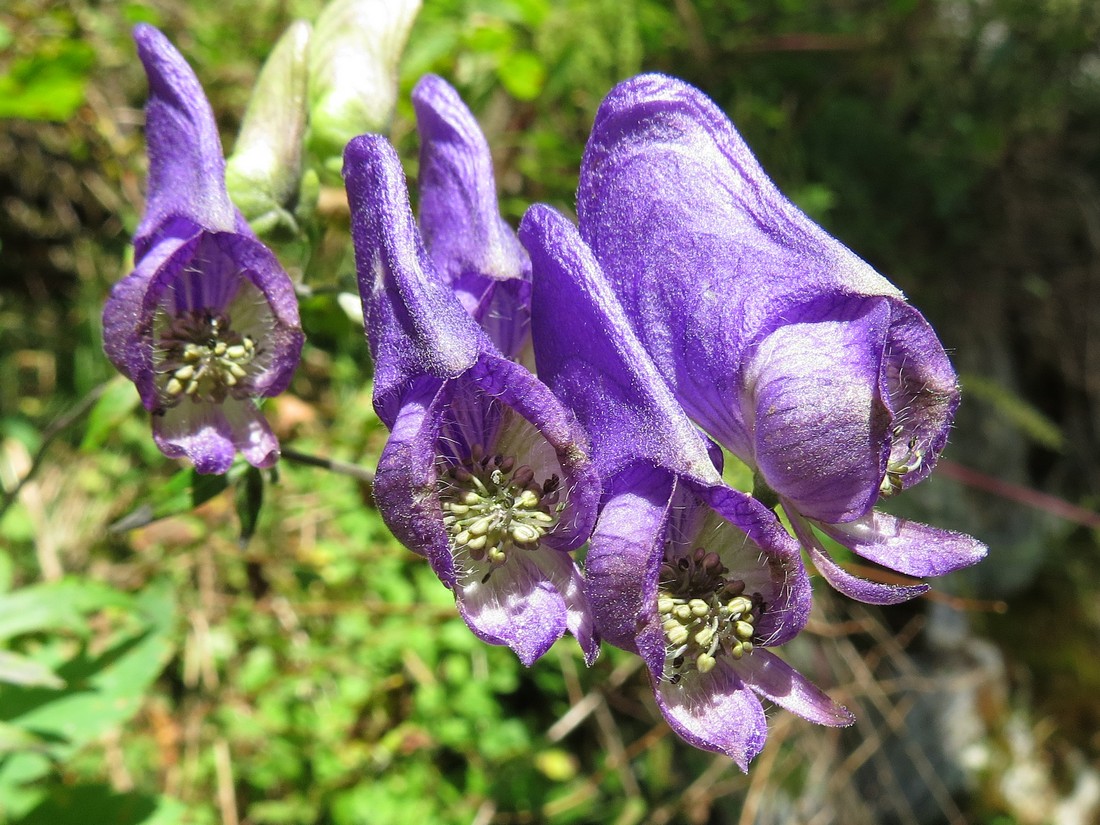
pixel 224 661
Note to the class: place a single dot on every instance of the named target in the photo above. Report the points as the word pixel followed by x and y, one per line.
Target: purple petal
pixel 459 215
pixel 586 352
pixel 510 385
pixel 199 432
pixel 774 679
pixel 124 318
pixel 528 602
pixel 502 308
pixel 218 272
pixel 516 607
pixel 844 582
pixel 405 482
pixel 906 546
pixel 698 243
pixel 820 422
pixel 716 712
pixel 283 337
pixel 923 392
pixel 771 562
pixel 210 435
pixel 252 436
pixel 471 246
pixel 415 325
pixel 624 557
pixel 186 168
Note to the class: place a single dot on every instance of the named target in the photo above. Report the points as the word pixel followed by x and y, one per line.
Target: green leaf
pixel 119 399
pixel 249 495
pixel 84 804
pixel 183 492
pixel 523 75
pixel 48 85
pixel 59 605
pixel 19 670
pixel 104 689
pixel 14 739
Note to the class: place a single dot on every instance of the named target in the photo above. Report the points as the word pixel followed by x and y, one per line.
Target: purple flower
pixel 470 245
pixel 783 345
pixel 696 577
pixel 485 472
pixel 208 320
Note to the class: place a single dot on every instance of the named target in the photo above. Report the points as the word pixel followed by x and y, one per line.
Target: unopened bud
pixel 264 172
pixel 356 49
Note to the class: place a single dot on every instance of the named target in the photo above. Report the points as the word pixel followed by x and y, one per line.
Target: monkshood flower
pixel 780 342
pixel 485 472
pixel 208 320
pixel 472 248
pixel 696 577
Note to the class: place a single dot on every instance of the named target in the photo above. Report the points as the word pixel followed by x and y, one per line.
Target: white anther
pixel 699 607
pixel 525 533
pixel 677 635
pixel 481 526
pixel 527 500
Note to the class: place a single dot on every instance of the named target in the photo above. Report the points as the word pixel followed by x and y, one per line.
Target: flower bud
pixel 353 62
pixel 264 172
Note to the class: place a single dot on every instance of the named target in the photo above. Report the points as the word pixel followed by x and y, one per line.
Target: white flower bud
pixel 356 49
pixel 264 172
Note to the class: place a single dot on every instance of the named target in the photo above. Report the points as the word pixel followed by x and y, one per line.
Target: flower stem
pixel 341 467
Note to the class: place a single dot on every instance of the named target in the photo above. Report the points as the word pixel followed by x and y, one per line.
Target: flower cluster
pixel 694 308
pixel 566 384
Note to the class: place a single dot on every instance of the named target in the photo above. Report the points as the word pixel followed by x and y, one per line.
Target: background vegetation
pixel 303 668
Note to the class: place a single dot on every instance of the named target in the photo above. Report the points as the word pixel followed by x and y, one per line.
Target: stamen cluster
pixel 898 468
pixel 704 613
pixel 492 505
pixel 203 357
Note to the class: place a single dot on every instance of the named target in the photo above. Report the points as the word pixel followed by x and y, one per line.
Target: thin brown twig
pixel 1053 505
pixel 332 464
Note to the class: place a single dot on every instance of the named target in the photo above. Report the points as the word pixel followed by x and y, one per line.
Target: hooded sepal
pixel 415 326
pixel 186 167
pixel 815 406
pixel 473 249
pixel 589 356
